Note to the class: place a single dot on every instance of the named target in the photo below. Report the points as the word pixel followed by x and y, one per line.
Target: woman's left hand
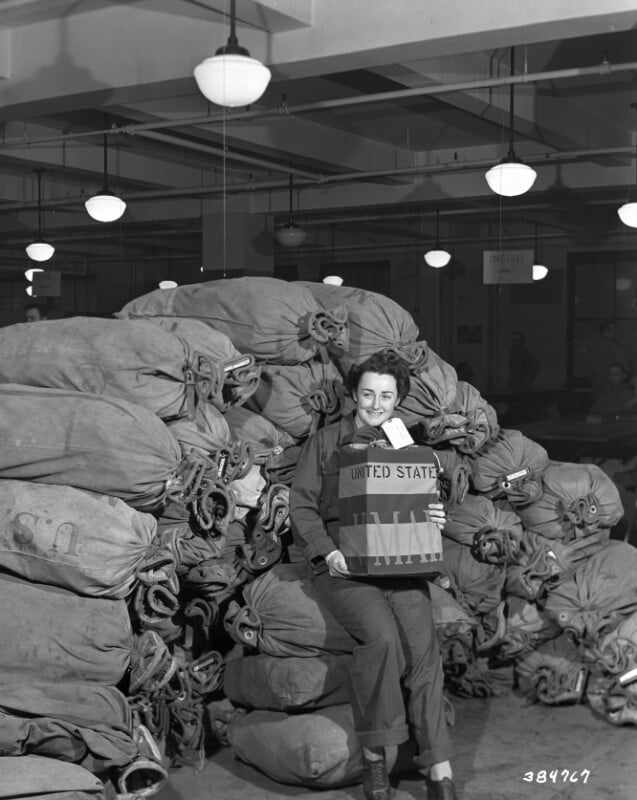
pixel 437 514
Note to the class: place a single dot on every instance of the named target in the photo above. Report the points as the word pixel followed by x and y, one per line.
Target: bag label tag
pixel 397 433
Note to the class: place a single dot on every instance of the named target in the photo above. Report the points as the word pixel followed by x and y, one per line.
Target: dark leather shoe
pixel 440 790
pixel 376 784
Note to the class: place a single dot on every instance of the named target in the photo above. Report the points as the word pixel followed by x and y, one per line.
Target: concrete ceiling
pixel 379 110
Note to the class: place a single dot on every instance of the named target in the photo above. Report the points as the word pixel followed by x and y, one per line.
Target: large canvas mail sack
pixel 125 359
pixel 87 441
pixel 274 320
pixel 89 543
pixel 52 634
pixel 383 498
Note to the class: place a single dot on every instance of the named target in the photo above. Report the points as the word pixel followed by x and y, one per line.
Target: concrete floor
pixel 497 741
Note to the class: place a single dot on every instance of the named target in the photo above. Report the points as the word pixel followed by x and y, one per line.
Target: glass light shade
pixel 623 284
pixel 510 177
pixel 29 273
pixel 333 280
pixel 290 235
pixel 232 79
pixel 628 214
pixel 539 272
pixel 29 291
pixel 437 258
pixel 40 251
pixel 168 284
pixel 105 207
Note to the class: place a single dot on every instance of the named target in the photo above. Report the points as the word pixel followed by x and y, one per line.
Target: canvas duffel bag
pixel 72 721
pixel 375 322
pixel 91 442
pixel 287 684
pixel 299 398
pixel 319 749
pixel 52 634
pixel 40 778
pixel 123 359
pixel 240 372
pixel 89 543
pixel 266 623
pixel 272 319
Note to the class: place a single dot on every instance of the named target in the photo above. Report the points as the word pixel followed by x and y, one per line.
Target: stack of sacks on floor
pixel 104 425
pixel 489 475
pixel 189 410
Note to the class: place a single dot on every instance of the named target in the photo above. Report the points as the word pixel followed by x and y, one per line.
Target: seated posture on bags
pixel 389 615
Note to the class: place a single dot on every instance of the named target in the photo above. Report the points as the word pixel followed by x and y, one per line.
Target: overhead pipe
pixel 211 149
pixel 345 177
pixel 605 68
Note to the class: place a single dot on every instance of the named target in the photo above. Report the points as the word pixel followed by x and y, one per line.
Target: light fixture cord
pixel 105 155
pixel 39 205
pixel 232 39
pixel 511 102
pixel 291 187
pixel 437 229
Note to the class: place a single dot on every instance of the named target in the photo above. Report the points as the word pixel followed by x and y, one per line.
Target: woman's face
pixel 376 398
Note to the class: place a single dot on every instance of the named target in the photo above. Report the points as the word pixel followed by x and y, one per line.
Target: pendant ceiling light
pixel 40 250
pixel 628 212
pixel 230 77
pixel 539 270
pixel 437 258
pixel 511 177
pixel 290 235
pixel 104 206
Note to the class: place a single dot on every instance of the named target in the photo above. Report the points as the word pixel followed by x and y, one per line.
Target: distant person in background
pixel 617 395
pixel 604 352
pixel 34 312
pixel 523 365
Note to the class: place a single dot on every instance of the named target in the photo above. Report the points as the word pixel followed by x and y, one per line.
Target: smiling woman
pixel 389 617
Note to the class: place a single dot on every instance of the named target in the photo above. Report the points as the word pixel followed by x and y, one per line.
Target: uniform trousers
pixel 396 678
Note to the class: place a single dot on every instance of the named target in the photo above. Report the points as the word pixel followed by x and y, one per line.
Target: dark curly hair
pixel 386 362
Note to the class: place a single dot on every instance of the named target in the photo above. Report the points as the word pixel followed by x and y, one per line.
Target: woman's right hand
pixel 336 564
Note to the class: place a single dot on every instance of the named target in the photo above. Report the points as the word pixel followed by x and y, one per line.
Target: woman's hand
pixel 336 564
pixel 437 514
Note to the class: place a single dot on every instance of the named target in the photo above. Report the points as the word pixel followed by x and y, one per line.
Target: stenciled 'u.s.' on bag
pixel 384 495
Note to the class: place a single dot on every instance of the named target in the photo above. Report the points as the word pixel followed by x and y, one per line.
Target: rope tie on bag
pixel 242 377
pixel 264 547
pixel 143 777
pixel 454 484
pixel 208 377
pixel 617 655
pixel 273 522
pixel 480 430
pixel 414 354
pixel 206 672
pixel 521 487
pixel 154 604
pixel 583 512
pixel 482 642
pixel 151 711
pixel 443 427
pixel 495 546
pixel 243 624
pixel 186 735
pixel 152 665
pixel 274 510
pixel 329 327
pixel 216 580
pixel 559 683
pixel 204 611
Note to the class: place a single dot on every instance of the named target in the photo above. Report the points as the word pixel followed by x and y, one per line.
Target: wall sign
pixel 47 283
pixel 507 266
